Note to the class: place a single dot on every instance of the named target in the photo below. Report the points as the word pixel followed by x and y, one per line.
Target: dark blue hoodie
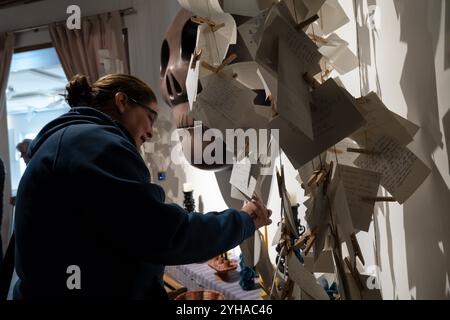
pixel 85 200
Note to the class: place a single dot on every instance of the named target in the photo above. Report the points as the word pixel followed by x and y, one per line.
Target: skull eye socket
pixel 165 55
pixel 188 39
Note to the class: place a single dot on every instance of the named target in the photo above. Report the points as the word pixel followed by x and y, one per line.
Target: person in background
pixel 23 148
pixel 87 215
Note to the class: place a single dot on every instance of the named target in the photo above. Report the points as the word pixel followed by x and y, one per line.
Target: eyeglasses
pixel 153 115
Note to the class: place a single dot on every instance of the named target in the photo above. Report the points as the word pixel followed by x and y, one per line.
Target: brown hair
pixel 101 94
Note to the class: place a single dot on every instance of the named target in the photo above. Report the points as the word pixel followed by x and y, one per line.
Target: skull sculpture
pixel 176 52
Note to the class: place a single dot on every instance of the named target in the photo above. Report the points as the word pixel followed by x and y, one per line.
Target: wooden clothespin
pixel 200 20
pixel 214 26
pixel 311 240
pixel 217 27
pixel 380 199
pixel 362 151
pixel 225 62
pixel 197 55
pixel 355 274
pixel 209 67
pixel 308 238
pixel 357 248
pixel 307 22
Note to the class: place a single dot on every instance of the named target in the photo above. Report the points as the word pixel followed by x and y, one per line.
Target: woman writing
pixel 85 200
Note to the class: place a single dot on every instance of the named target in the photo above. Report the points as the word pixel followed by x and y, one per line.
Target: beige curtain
pixel 98 48
pixel 6 53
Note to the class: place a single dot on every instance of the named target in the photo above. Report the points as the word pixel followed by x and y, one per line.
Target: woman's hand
pixel 259 213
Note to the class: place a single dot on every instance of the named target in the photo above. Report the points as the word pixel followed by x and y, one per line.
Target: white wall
pixel 406 65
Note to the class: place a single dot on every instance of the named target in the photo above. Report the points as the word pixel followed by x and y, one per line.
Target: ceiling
pixel 13 3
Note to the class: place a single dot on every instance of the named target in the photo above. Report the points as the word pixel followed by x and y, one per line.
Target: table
pixel 200 276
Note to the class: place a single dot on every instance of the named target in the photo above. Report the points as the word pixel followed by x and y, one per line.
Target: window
pixel 34 98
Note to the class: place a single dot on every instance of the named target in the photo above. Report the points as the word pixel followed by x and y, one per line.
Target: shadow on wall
pixel 446 126
pixel 447 35
pixel 426 214
pixel 363 40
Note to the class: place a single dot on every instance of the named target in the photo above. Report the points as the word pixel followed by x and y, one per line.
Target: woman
pixel 85 200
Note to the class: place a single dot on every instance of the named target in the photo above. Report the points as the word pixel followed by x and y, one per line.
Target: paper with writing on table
pixel 305 279
pixel 359 184
pixel 334 117
pixel 294 97
pixel 249 8
pixel 401 171
pixel 332 17
pixel 382 122
pixel 302 47
pixel 241 178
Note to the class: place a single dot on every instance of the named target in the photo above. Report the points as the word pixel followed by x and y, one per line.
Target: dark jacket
pixel 85 200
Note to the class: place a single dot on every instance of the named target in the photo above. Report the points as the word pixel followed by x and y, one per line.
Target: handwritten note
pixel 334 117
pixel 294 97
pixel 298 42
pixel 224 100
pixel 382 122
pixel 401 171
pixel 252 31
pixel 359 184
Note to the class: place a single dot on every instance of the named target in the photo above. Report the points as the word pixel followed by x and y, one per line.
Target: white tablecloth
pixel 202 277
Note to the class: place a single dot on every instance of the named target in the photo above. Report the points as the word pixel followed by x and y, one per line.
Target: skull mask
pixel 177 49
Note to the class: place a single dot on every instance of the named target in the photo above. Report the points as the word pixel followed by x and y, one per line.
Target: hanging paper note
pixel 359 184
pixel 401 171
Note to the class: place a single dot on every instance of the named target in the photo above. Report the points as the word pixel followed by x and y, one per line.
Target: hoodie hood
pixel 79 115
